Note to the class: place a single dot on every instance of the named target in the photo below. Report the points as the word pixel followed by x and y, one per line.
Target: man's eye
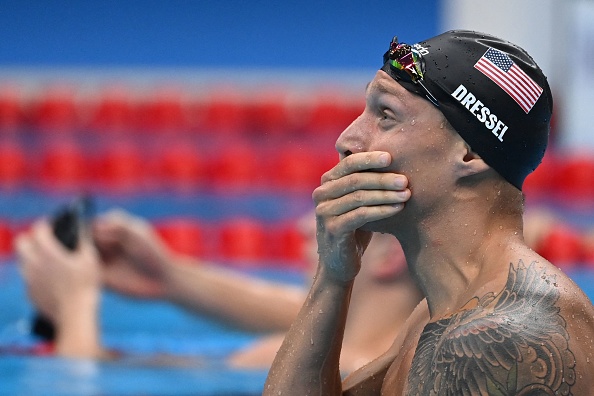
pixel 386 115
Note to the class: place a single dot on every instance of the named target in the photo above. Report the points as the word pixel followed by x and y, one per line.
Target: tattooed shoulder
pixel 514 342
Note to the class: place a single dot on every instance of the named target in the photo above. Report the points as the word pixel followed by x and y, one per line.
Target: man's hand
pixel 58 280
pixel 353 193
pixel 135 258
pixel 65 286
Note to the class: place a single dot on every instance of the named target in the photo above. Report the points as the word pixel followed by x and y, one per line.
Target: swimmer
pixel 451 128
pixel 127 256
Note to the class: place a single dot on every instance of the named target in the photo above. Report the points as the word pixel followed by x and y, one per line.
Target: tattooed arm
pixel 517 342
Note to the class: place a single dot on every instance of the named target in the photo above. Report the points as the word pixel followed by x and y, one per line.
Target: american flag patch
pixel 499 67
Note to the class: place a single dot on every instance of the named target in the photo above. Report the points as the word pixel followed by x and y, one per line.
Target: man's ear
pixel 470 164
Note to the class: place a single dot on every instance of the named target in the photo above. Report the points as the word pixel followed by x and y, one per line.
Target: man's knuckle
pixel 358 196
pixel 355 181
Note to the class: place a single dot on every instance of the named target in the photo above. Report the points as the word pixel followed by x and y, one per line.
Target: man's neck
pixel 453 256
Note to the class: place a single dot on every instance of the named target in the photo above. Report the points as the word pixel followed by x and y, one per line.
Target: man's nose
pixel 351 139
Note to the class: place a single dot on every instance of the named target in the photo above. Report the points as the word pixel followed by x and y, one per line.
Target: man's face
pixel 412 130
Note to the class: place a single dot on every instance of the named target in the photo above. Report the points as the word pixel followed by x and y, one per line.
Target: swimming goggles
pixel 407 65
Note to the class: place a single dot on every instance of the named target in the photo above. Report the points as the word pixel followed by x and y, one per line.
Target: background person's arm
pixel 139 264
pixel 235 298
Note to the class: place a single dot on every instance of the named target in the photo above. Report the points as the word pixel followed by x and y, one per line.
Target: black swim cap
pixel 490 90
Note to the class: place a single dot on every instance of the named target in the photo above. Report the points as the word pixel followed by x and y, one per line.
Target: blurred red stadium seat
pixel 576 178
pixel 182 235
pixel 6 238
pixel 296 167
pixel 223 111
pixel 287 244
pixel 14 166
pixel 562 246
pixel 64 165
pixel 266 113
pixel 114 111
pixel 242 239
pixel 236 165
pixel 164 110
pixel 542 183
pixel 181 166
pixel 331 113
pixel 56 110
pixel 122 167
pixel 12 113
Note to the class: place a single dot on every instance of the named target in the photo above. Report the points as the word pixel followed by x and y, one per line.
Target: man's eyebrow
pixel 384 87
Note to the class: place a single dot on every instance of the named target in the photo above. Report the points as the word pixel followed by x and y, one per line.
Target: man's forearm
pixel 238 299
pixel 308 360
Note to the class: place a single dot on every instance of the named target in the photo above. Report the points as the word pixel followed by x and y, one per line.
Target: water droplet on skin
pixel 413 122
pixel 442 125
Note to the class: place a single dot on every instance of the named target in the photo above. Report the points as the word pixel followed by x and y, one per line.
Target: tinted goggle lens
pixel 408 65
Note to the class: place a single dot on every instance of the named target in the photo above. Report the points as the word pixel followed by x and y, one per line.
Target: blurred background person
pixel 127 256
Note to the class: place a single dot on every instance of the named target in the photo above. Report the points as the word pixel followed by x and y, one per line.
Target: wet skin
pixel 479 331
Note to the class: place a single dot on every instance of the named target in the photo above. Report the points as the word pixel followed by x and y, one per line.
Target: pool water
pixel 52 376
pixel 167 350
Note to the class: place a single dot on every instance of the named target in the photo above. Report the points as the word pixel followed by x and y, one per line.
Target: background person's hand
pixel 135 257
pixel 61 283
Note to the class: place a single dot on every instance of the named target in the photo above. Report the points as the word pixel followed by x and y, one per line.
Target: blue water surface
pixel 167 351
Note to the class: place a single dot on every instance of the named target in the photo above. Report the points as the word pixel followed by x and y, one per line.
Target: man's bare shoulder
pixel 528 337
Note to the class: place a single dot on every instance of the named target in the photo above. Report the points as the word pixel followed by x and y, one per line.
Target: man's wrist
pixel 77 327
pixel 172 272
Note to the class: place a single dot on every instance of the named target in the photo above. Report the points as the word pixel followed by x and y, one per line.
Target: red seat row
pixel 240 240
pixel 218 110
pixel 250 242
pixel 241 163
pixel 126 166
pixel 567 247
pixel 563 179
pixel 237 241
